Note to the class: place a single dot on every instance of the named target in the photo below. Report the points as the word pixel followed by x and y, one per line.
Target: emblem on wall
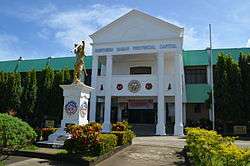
pixel 134 86
pixel 119 86
pixel 148 86
pixel 71 107
pixel 84 109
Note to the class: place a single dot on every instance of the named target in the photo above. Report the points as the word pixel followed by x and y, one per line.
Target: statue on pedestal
pixel 79 50
pixel 76 97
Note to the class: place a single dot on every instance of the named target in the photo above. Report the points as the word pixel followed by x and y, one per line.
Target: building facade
pixel 141 65
pixel 141 74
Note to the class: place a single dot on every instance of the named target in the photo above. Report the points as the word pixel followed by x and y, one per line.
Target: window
pixel 196 75
pixel 197 108
pixel 140 70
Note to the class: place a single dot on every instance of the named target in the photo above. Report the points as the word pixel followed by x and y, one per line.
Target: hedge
pixel 124 137
pixel 211 149
pixel 107 143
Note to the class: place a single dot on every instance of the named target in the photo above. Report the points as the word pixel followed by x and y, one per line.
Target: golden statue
pixel 79 64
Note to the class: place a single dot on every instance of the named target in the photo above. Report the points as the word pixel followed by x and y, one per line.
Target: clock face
pixel 134 86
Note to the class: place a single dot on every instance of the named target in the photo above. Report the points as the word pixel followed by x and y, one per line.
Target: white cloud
pixel 192 38
pixel 248 43
pixel 74 25
pixel 8 46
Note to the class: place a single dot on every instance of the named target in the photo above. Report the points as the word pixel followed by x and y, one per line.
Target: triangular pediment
pixel 136 26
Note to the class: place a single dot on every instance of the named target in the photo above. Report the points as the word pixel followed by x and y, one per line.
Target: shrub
pixel 14 134
pixel 87 139
pixel 209 148
pixel 107 142
pixel 120 126
pixel 124 137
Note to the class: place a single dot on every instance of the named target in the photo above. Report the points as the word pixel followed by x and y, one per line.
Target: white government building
pixel 137 65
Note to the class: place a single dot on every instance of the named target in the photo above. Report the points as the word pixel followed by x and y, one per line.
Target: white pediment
pixel 136 26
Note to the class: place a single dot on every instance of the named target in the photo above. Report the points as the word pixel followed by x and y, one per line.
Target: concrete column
pixel 101 112
pixel 184 114
pixel 178 127
pixel 161 117
pixel 107 90
pixel 119 113
pixel 93 85
pixel 210 114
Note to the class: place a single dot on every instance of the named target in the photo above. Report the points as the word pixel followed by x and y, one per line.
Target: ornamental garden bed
pixel 87 145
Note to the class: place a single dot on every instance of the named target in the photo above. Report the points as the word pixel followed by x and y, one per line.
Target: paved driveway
pixel 148 151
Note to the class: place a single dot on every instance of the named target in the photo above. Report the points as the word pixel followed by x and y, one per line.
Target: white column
pixel 101 112
pixel 210 114
pixel 119 113
pixel 184 114
pixel 107 90
pixel 178 127
pixel 93 93
pixel 161 117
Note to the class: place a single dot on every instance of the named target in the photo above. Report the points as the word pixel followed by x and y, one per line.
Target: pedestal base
pixel 56 140
pixel 178 130
pixel 106 127
pixel 160 129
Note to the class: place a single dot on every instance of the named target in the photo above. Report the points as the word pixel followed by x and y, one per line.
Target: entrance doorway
pixel 141 116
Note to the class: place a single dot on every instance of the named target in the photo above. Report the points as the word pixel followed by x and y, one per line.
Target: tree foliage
pixel 29 96
pixel 244 64
pixel 232 89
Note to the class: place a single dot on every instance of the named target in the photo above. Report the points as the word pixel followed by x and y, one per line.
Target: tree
pixel 219 91
pixel 67 76
pixel 244 64
pixel 57 93
pixel 29 96
pixel 233 95
pixel 2 91
pixel 12 92
pixel 227 90
pixel 44 94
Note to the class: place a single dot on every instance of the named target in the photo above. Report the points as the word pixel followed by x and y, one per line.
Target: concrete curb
pixel 70 158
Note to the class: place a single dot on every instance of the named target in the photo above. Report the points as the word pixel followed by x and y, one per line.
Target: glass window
pixel 196 75
pixel 140 70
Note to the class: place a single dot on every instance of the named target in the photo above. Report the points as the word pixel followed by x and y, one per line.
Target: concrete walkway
pixel 145 151
pixel 148 151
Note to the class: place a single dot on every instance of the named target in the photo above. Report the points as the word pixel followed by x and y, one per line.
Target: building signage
pixel 240 129
pixel 49 123
pixel 135 48
pixel 140 104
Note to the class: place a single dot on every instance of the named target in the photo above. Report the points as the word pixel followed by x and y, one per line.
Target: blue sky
pixel 43 28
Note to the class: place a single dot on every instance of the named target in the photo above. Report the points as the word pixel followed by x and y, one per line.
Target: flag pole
pixel 211 77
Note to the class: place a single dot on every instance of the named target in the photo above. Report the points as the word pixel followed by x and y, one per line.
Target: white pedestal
pixel 75 110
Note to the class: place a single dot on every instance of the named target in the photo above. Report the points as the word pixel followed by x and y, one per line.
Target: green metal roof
pixel 197 93
pixel 190 58
pixel 39 64
pixel 200 57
